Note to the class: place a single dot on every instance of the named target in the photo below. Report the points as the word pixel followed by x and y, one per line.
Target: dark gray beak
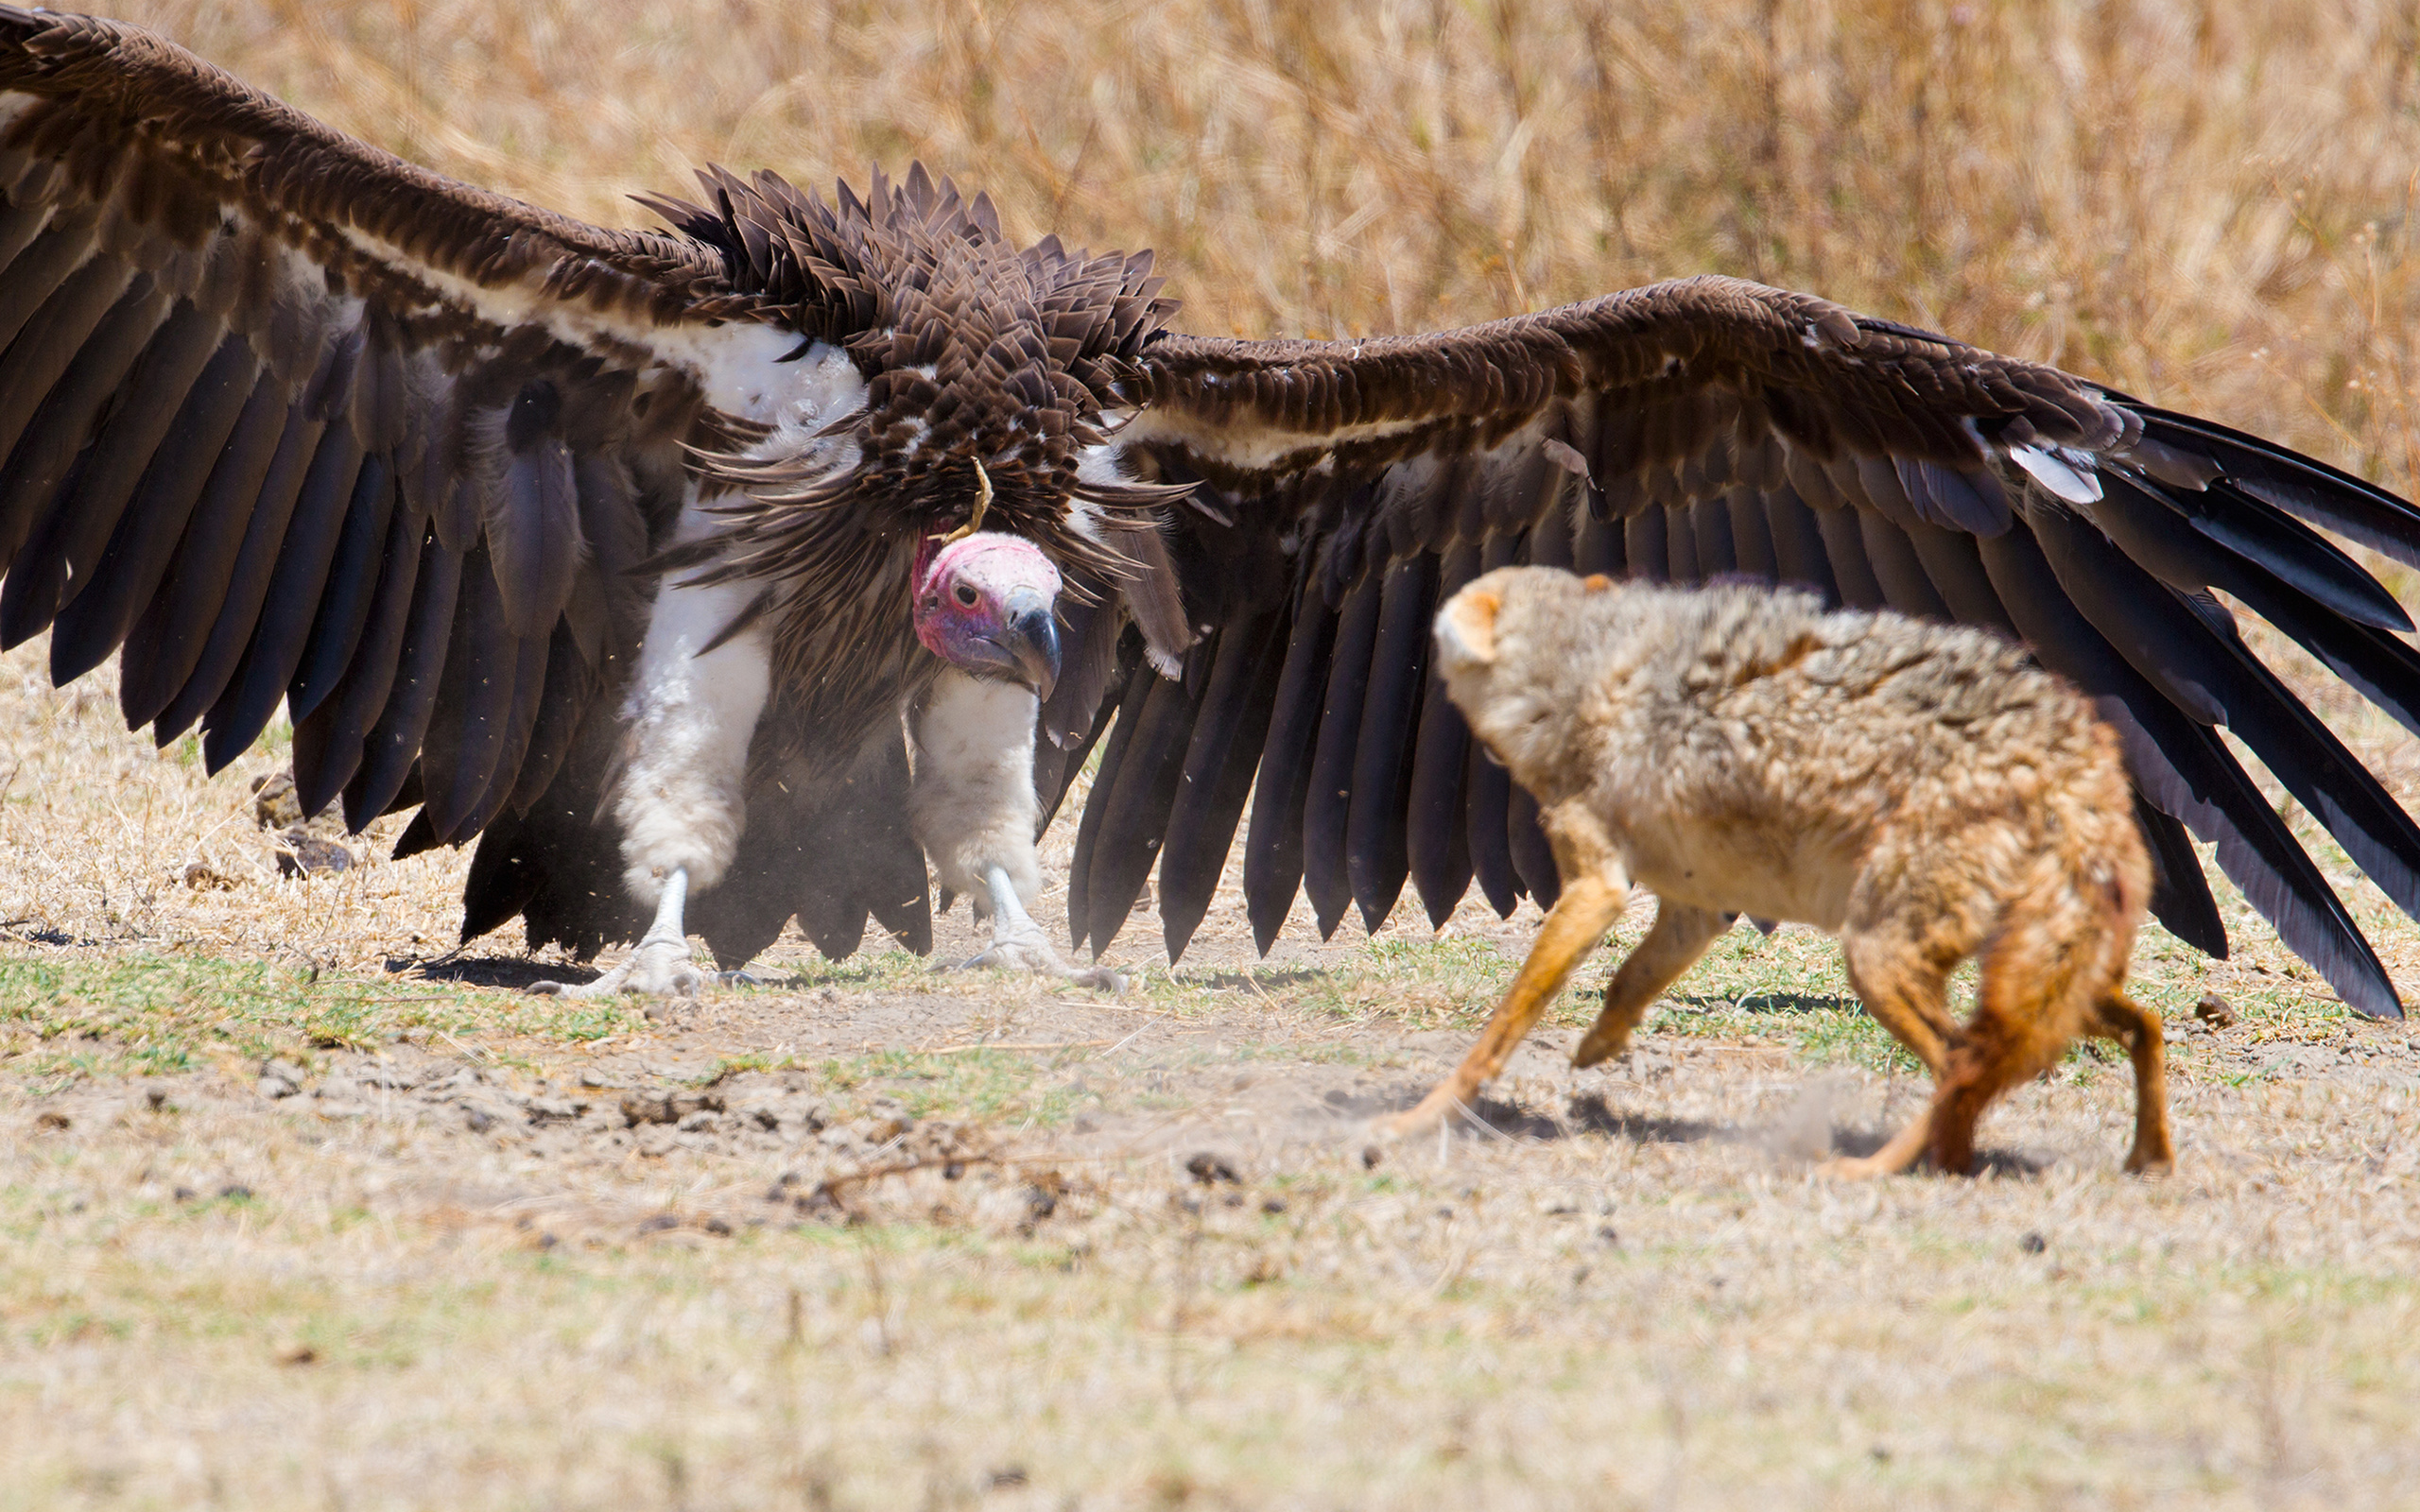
pixel 1030 637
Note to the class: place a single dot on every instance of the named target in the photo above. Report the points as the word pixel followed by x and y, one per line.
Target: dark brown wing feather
pixel 252 363
pixel 293 421
pixel 1693 429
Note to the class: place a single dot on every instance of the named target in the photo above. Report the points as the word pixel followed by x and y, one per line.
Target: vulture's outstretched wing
pixel 289 419
pixel 1684 431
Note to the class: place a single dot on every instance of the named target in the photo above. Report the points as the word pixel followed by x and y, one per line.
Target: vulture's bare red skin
pixel 987 604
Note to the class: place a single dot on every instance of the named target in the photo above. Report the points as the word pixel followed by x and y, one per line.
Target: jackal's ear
pixel 1467 626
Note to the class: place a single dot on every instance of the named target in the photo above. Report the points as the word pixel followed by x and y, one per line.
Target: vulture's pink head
pixel 987 604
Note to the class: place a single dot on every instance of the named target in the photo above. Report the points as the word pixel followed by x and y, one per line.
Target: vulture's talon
pixel 659 968
pixel 1018 943
pixel 1020 953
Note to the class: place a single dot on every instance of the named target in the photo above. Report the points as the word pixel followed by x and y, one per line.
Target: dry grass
pixel 451 1272
pixel 2209 203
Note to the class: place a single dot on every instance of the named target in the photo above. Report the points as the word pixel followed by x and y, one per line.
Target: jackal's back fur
pixel 1925 790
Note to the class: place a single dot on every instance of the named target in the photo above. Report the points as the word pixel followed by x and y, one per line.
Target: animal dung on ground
pixel 1209 1169
pixel 1926 791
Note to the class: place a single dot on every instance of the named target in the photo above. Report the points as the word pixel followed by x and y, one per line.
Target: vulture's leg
pixel 658 967
pixel 682 799
pixel 972 810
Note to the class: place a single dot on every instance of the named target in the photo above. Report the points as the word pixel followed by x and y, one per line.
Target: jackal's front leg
pixel 1579 919
pixel 1595 887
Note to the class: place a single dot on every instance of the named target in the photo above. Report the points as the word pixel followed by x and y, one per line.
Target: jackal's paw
pixel 1450 1098
pixel 1601 1044
pixel 657 968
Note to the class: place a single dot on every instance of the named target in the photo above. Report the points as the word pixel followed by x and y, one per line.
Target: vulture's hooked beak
pixel 1029 636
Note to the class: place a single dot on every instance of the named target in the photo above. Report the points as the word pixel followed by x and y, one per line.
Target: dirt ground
pixel 300 1210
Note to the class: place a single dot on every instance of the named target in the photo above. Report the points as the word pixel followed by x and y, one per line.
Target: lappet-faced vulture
pixel 749 567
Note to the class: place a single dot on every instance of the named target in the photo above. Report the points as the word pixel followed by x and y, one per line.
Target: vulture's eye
pixel 965 595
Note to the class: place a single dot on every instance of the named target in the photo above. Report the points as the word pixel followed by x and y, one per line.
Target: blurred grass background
pixel 2208 203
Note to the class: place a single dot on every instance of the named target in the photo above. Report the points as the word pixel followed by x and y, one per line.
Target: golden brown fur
pixel 1925 790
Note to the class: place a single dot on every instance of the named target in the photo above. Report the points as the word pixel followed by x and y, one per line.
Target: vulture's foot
pixel 1019 945
pixel 660 967
pixel 657 968
pixel 1023 953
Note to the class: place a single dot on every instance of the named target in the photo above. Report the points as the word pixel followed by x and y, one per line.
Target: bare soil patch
pixel 883 1233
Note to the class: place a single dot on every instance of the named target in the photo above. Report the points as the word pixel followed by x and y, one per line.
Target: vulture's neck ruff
pixel 987 369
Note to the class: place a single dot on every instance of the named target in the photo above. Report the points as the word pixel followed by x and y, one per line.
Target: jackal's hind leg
pixel 1673 944
pixel 2138 1029
pixel 1900 965
pixel 1905 985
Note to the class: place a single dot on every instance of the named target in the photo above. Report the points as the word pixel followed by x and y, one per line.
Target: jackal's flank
pixel 1925 790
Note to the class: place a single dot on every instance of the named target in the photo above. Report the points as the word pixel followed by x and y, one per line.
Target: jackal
pixel 1924 791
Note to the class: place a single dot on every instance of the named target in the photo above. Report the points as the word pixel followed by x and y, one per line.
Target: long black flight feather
pixel 1227 735
pixel 231 396
pixel 1328 794
pixel 290 605
pixel 1375 856
pixel 1274 841
pixel 1135 816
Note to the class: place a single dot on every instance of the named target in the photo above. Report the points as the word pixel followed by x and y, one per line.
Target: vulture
pixel 793 559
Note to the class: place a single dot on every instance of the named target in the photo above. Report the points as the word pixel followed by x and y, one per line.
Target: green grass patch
pixel 158 1015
